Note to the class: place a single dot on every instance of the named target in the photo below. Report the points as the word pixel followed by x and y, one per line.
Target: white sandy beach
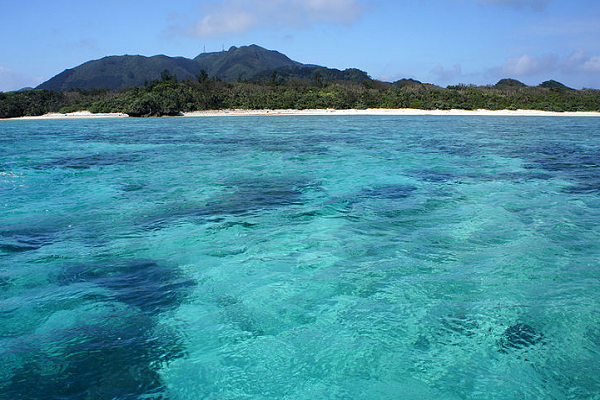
pixel 370 111
pixel 387 111
pixel 73 115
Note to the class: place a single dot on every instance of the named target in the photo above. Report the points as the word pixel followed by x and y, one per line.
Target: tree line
pixel 170 96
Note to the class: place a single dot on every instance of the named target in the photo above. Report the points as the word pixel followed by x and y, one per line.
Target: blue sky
pixel 437 41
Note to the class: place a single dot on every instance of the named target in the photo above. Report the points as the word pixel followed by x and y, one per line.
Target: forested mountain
pixel 119 72
pixel 247 63
pixel 243 63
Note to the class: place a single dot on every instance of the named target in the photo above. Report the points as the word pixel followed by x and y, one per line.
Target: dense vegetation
pixel 169 96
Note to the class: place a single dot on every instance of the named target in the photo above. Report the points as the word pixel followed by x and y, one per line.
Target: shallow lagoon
pixel 354 257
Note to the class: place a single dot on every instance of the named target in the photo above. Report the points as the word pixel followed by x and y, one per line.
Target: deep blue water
pixel 300 258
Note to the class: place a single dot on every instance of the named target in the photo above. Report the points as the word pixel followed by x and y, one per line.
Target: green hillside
pixel 552 84
pixel 119 72
pixel 246 63
pixel 242 63
pixel 509 83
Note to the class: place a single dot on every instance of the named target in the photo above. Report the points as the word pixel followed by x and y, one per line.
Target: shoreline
pixel 330 112
pixel 73 115
pixel 391 112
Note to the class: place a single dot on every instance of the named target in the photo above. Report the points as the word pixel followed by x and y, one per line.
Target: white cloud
pixel 527 65
pixel 578 67
pixel 592 65
pixel 223 23
pixel 236 16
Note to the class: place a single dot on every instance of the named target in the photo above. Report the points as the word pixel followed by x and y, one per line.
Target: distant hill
pixel 507 82
pixel 552 84
pixel 406 82
pixel 247 63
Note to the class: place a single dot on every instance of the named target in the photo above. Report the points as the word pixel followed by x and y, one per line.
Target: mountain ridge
pixel 248 63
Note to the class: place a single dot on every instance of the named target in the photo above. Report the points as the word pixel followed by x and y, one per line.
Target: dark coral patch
pixel 388 192
pixel 144 284
pixel 520 336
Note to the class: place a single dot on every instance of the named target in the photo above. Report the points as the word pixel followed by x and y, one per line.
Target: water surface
pixel 303 257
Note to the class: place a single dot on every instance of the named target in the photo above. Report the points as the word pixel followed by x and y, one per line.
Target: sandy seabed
pixel 316 112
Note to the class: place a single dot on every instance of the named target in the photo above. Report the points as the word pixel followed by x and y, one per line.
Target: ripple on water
pixel 300 258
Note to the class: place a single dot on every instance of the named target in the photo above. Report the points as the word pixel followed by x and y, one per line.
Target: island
pixel 254 78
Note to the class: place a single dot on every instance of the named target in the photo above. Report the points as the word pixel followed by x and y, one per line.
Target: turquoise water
pixel 300 258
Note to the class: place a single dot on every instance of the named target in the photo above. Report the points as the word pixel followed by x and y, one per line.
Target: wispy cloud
pixel 218 23
pixel 564 32
pixel 577 68
pixel 10 80
pixel 527 65
pixel 334 11
pixel 88 44
pixel 538 5
pixel 580 60
pixel 592 65
pixel 236 16
pixel 387 77
pixel 580 27
pixel 444 75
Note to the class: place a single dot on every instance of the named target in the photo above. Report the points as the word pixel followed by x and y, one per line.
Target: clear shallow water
pixel 300 258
